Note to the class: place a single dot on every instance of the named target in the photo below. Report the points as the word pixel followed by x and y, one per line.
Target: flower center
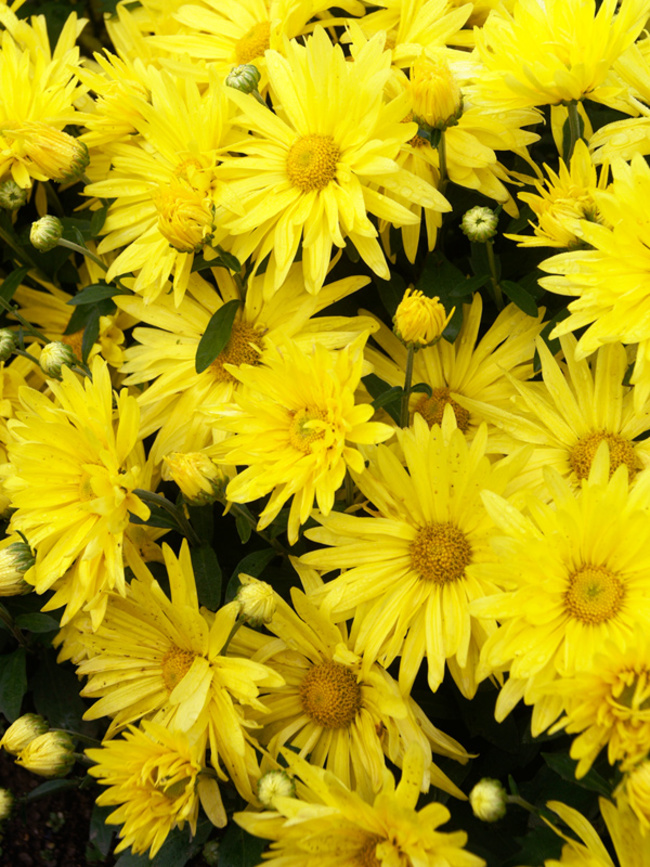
pixel 417 141
pixel 184 217
pixel 311 162
pixel 307 427
pixel 330 695
pixel 243 347
pixel 175 665
pixel 440 553
pixel 432 408
pixel 621 451
pixel 595 594
pixel 367 857
pixel 74 341
pixel 254 43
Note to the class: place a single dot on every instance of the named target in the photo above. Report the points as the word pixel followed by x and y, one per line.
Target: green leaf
pixel 440 278
pixel 101 834
pixel 216 336
pixel 158 517
pixel 471 285
pixel 524 300
pixel 95 292
pixel 97 220
pixel 82 315
pixel 90 336
pixel 37 622
pixel 252 564
pixel 423 387
pixel 12 282
pixel 179 846
pixel 244 528
pixel 207 575
pixel 13 683
pixel 50 787
pixel 391 292
pixel 128 859
pixel 229 261
pixel 55 689
pixel 384 395
pixel 239 849
pixel 565 767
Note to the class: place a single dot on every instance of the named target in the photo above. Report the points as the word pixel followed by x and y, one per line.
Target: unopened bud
pixel 12 196
pixel 8 343
pixel 15 560
pixel 244 78
pixel 256 600
pixel 56 355
pixel 6 803
pixel 419 320
pixel 210 853
pixel 200 480
pixel 22 732
pixel 49 755
pixel 437 100
pixel 488 800
pixel 635 787
pixel 46 233
pixel 275 784
pixel 51 154
pixel 479 224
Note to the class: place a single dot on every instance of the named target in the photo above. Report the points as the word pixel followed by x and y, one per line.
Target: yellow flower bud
pixel 185 217
pixel 6 803
pixel 419 320
pixel 256 600
pixel 199 479
pixel 275 784
pixel 48 154
pixel 56 355
pixel 22 732
pixel 8 343
pixel 49 755
pixel 46 233
pixel 488 800
pixel 437 100
pixel 15 559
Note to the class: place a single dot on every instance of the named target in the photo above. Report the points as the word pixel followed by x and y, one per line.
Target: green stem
pixel 239 622
pixel 178 515
pixel 408 379
pixel 574 128
pixel 520 802
pixel 70 245
pixel 496 288
pixel 442 159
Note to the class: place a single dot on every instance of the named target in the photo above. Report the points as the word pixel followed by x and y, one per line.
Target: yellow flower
pixel 156 780
pixel 162 659
pixel 635 789
pixel 483 370
pixel 611 278
pixel 75 462
pixel 297 430
pixel 22 731
pixel 333 710
pixel 164 354
pixel 563 202
pixel 555 52
pixel 338 826
pixel 578 575
pixel 310 170
pixel 412 569
pixel 419 320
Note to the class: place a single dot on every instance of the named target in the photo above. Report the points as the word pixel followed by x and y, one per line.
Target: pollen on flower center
pixel 440 553
pixel 595 594
pixel 254 43
pixel 175 665
pixel 330 695
pixel 432 408
pixel 621 451
pixel 311 162
pixel 243 347
pixel 367 857
pixel 184 217
pixel 307 426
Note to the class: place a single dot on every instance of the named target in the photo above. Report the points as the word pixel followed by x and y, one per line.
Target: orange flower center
pixel 621 451
pixel 254 43
pixel 595 594
pixel 440 553
pixel 330 695
pixel 367 857
pixel 307 427
pixel 432 408
pixel 311 162
pixel 175 665
pixel 243 347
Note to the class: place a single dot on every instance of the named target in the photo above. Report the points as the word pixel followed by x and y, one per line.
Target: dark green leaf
pixel 55 689
pixel 128 859
pixel 524 300
pixel 90 336
pixel 37 622
pixel 101 834
pixel 85 313
pixel 565 767
pixel 554 344
pixel 207 575
pixel 480 261
pixel 159 517
pixel 440 278
pixel 391 292
pixel 13 683
pixel 97 220
pixel 423 387
pixel 178 848
pixel 51 787
pixel 471 285
pixel 244 528
pixel 384 395
pixel 229 261
pixel 12 282
pixel 216 336
pixel 95 292
pixel 239 849
pixel 252 564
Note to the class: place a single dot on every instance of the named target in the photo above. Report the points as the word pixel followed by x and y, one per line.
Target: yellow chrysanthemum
pixel 39 88
pixel 573 410
pixel 578 572
pixel 563 202
pixel 631 847
pixel 634 789
pixel 165 354
pixel 75 462
pixel 555 52
pixel 477 370
pixel 311 169
pixel 336 826
pixel 330 710
pixel 611 278
pixel 297 429
pixel 156 779
pixel 167 199
pixel 608 705
pixel 412 569
pixel 162 659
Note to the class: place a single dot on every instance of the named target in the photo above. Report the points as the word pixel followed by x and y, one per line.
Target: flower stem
pixel 496 288
pixel 406 393
pixel 177 514
pixel 442 159
pixel 574 128
pixel 231 635
pixel 70 245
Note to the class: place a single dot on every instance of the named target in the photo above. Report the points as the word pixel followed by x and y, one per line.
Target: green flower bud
pixel 6 803
pixel 245 78
pixel 56 355
pixel 22 732
pixel 479 224
pixel 210 853
pixel 15 560
pixel 46 233
pixel 7 343
pixel 256 599
pixel 488 800
pixel 49 755
pixel 275 784
pixel 12 196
